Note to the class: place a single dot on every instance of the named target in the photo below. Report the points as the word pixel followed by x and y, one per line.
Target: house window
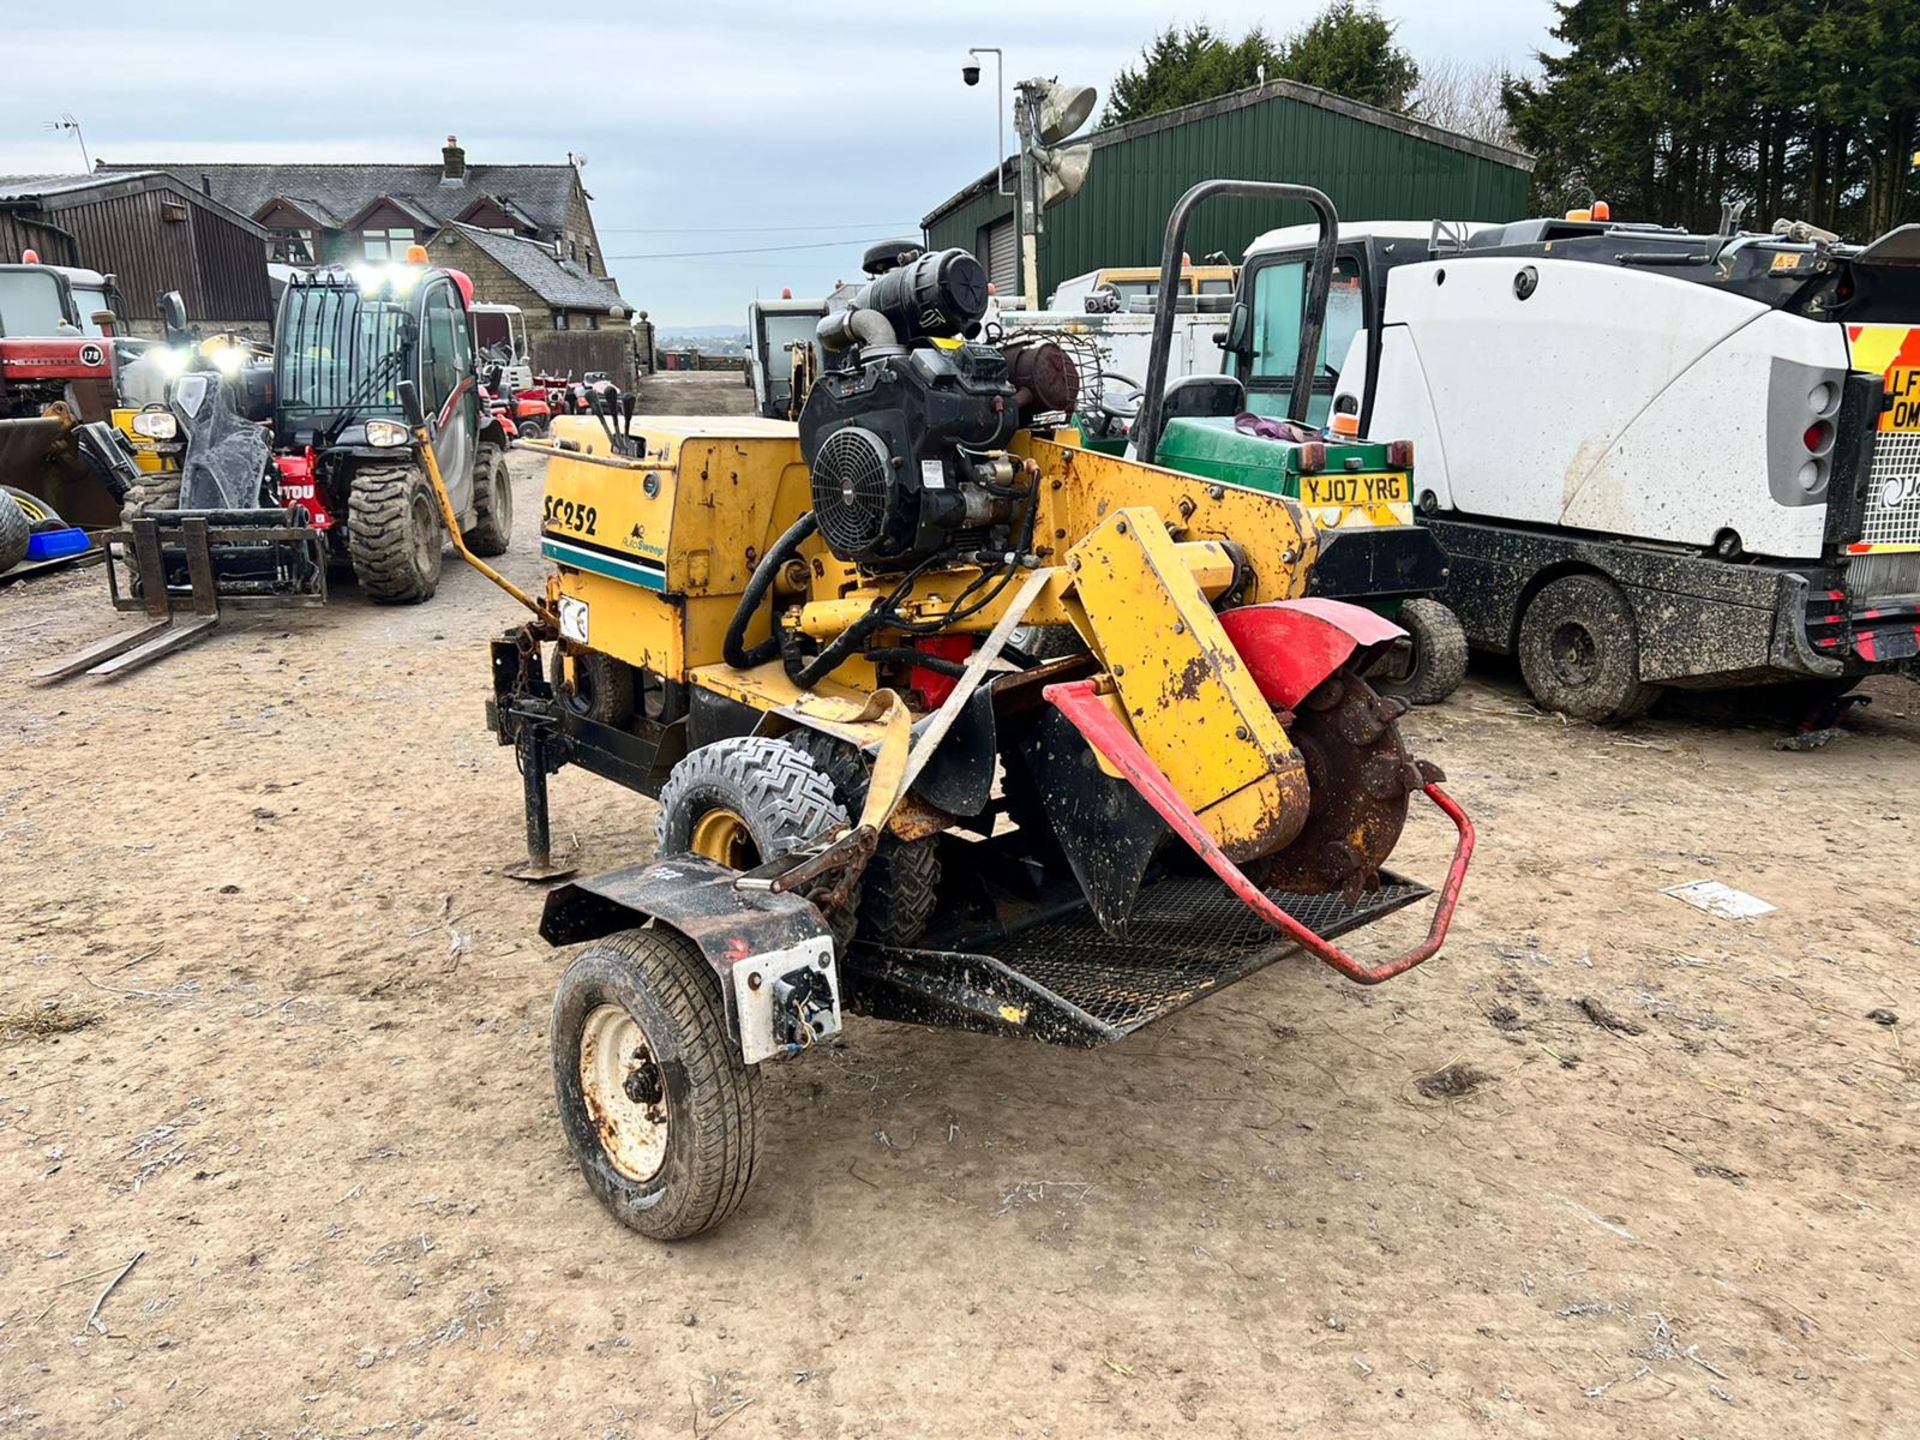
pixel 291 246
pixel 559 319
pixel 390 244
pixel 593 321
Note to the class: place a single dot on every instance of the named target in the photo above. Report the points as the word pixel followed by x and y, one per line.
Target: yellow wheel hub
pixel 722 836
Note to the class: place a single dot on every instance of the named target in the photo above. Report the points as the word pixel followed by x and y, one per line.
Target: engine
pixel 901 442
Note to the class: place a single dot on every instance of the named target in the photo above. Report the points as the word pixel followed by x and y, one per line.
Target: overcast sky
pixel 719 125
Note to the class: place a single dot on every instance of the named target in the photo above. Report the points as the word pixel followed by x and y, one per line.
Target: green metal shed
pixel 1376 164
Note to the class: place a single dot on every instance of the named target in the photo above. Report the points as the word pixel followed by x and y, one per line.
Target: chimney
pixel 206 184
pixel 453 162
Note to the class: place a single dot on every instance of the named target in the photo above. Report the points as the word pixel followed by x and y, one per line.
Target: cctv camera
pixel 970 71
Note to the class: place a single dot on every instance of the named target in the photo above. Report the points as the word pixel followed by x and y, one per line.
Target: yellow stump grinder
pixel 800 640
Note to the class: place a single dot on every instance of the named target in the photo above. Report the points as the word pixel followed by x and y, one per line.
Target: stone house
pixel 576 321
pixel 345 213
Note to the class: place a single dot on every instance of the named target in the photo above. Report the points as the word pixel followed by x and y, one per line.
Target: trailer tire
pixel 157 491
pixel 16 533
pixel 747 799
pixel 492 530
pixel 661 1113
pixel 901 887
pixel 1439 655
pixel 603 688
pixel 395 536
pixel 1580 651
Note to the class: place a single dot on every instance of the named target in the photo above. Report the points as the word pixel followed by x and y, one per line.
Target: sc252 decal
pixel 567 515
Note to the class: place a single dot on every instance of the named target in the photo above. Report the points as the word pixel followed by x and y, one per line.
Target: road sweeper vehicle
pixel 796 638
pixel 1653 458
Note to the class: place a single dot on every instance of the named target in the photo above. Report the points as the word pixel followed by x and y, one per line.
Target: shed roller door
pixel 1003 264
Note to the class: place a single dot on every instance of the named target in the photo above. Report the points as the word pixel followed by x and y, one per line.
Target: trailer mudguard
pixel 696 896
pixel 1290 646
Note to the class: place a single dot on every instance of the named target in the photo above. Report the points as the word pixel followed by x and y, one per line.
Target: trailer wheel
pixel 159 490
pixel 901 887
pixel 1433 663
pixel 394 533
pixel 16 532
pixel 747 799
pixel 492 528
pixel 1580 651
pixel 661 1113
pixel 602 687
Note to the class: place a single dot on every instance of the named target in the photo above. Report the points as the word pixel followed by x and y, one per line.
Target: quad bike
pixel 306 459
pixel 870 801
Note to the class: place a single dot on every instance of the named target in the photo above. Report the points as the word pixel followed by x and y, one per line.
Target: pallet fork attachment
pixel 169 563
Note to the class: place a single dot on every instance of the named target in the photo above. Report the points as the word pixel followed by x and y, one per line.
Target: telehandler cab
pixel 796 638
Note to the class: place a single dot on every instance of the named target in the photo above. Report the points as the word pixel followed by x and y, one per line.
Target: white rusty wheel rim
pixel 625 1092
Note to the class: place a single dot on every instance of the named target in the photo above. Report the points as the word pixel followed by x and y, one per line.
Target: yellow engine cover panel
pixel 689 518
pixel 1190 701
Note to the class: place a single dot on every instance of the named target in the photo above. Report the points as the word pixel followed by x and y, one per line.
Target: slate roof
pixel 561 283
pixel 58 192
pixel 333 194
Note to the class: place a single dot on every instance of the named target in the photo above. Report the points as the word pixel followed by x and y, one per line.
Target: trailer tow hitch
pixel 1080 702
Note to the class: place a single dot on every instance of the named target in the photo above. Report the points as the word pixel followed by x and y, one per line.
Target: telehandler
pixel 796 638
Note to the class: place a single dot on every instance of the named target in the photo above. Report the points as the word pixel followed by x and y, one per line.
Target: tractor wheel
pixel 492 528
pixel 901 887
pixel 159 490
pixel 747 799
pixel 16 533
pixel 1359 776
pixel 1580 651
pixel 533 429
pixel 41 516
pixel 394 533
pixel 662 1114
pixel 1434 662
pixel 602 687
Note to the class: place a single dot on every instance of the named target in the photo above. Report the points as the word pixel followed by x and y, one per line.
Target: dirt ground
pixel 1608 1166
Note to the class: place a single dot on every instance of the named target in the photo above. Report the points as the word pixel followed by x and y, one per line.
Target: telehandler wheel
pixel 747 799
pixel 1580 651
pixel 661 1112
pixel 1434 660
pixel 901 886
pixel 394 533
pixel 1360 776
pixel 157 491
pixel 492 528
pixel 603 688
pixel 16 532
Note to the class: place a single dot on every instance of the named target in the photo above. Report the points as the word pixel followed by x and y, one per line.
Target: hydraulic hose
pixel 733 647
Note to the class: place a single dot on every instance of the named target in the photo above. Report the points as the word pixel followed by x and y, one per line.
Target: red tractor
pixel 63 374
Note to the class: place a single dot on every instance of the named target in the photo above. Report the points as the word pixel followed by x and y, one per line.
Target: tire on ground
pixel 711 1098
pixel 778 792
pixel 1580 651
pixel 39 512
pixel 492 528
pixel 16 533
pixel 159 490
pixel 394 533
pixel 1439 654
pixel 901 886
pixel 603 687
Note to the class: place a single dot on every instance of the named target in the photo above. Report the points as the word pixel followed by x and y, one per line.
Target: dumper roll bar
pixel 1152 417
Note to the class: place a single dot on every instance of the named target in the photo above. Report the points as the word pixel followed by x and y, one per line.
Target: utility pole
pixel 1026 124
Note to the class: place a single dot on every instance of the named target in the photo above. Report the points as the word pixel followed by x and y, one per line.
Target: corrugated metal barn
pixel 1375 164
pixel 154 233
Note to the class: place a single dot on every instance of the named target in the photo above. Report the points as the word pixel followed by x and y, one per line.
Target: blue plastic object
pixel 56 544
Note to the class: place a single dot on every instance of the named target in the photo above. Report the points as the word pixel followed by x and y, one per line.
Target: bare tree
pixel 1464 96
